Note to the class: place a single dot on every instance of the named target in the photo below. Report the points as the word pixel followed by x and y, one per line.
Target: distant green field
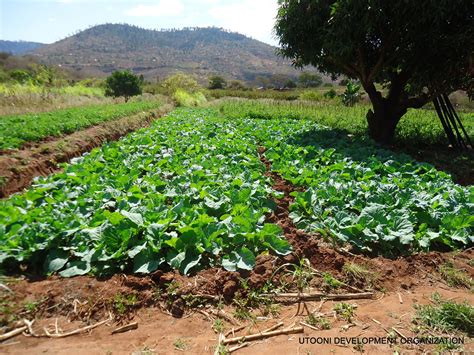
pixel 15 130
pixel 419 127
pixel 22 89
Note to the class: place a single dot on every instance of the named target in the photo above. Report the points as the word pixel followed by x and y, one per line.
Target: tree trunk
pixel 383 120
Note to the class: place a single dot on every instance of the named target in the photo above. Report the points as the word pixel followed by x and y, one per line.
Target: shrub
pixel 310 96
pixel 216 82
pixel 309 80
pixel 236 85
pixel 21 76
pixel 180 81
pixel 330 94
pixel 184 98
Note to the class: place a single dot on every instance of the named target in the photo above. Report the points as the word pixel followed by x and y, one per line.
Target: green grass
pixel 360 274
pixel 345 311
pixel 455 277
pixel 253 94
pixel 21 89
pixel 15 130
pixel 446 316
pixel 420 127
pixel 319 322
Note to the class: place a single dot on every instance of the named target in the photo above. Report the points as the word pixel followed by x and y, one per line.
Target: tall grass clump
pixel 187 99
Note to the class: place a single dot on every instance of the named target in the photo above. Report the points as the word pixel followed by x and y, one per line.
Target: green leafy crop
pixel 15 130
pixel 186 193
pixel 190 192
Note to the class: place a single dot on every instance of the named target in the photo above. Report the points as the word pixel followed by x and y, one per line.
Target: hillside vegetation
pixel 202 51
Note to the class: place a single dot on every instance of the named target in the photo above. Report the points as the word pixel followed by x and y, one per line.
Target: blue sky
pixel 50 20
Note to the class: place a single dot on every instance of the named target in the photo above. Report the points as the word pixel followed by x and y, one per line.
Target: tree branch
pixel 418 102
pixel 362 66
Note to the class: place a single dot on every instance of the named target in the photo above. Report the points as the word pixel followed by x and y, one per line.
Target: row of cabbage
pixel 186 193
pixel 190 192
pixel 371 198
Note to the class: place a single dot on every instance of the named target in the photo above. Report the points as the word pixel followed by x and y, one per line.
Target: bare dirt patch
pixel 18 168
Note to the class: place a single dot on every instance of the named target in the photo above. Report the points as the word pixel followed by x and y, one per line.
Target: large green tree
pixel 415 49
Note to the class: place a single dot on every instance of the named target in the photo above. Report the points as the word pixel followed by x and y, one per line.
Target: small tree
pixel 123 83
pixel 309 80
pixel 417 50
pixel 216 82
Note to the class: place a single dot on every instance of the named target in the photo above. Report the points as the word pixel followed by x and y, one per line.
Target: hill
pixel 18 47
pixel 203 51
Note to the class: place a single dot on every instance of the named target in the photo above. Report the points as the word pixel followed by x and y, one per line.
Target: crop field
pixel 16 130
pixel 190 192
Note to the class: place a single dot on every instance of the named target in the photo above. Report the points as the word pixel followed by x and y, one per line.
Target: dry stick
pixel 209 297
pixel 276 326
pixel 318 309
pixel 399 333
pixel 313 296
pixel 126 328
pixel 235 348
pixel 309 326
pixel 219 342
pixel 400 298
pixel 232 331
pixel 8 344
pixel 6 288
pixel 77 331
pixel 222 314
pixel 203 312
pixel 13 333
pixel 263 335
pixel 31 332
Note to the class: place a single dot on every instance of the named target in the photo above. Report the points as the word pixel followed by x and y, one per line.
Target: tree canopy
pixel 123 83
pixel 415 49
pixel 309 80
pixel 217 82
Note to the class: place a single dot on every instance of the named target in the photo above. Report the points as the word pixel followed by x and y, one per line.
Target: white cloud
pixel 254 18
pixel 162 8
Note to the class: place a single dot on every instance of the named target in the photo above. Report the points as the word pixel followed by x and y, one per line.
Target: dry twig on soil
pixel 126 328
pixel 13 333
pixel 6 288
pixel 263 335
pixel 233 331
pixel 309 326
pixel 77 331
pixel 318 296
pixel 276 326
pixel 235 348
pixel 222 314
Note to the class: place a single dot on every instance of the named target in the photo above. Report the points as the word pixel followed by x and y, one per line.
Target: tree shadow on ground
pixel 459 164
